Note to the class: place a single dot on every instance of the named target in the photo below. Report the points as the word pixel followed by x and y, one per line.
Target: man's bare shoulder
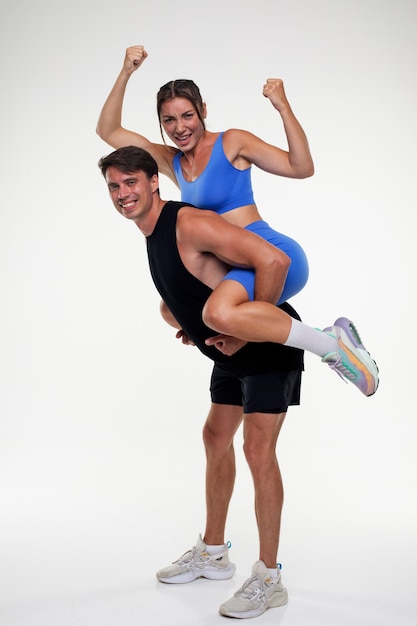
pixel 198 227
pixel 190 218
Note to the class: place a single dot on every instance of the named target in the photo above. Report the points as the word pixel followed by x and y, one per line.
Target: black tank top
pixel 183 294
pixel 185 297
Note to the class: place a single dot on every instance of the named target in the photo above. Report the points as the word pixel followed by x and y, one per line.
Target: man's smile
pixel 126 206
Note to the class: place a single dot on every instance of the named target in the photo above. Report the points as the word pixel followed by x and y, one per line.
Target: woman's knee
pixel 219 312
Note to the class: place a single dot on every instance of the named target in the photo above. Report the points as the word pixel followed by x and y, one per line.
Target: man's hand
pixel 226 344
pixel 184 338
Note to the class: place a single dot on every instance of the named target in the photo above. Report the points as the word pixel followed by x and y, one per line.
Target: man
pixel 189 253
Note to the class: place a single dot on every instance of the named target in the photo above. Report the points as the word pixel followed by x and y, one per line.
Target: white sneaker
pixel 198 563
pixel 259 593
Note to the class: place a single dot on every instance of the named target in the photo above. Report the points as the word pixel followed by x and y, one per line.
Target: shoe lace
pixel 341 370
pixel 253 588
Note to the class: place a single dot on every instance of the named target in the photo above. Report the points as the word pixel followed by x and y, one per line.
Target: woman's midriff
pixel 243 215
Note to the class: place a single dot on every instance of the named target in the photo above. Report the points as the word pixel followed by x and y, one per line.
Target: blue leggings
pixel 297 272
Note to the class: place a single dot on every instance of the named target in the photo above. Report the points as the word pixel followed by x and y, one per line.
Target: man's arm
pixel 225 344
pixel 167 316
pixel 170 319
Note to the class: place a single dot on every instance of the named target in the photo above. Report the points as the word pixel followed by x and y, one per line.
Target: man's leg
pixel 264 589
pixel 219 430
pixel 261 432
pixel 209 558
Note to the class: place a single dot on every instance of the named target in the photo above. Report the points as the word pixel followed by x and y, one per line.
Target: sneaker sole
pixel 280 598
pixel 188 577
pixel 364 357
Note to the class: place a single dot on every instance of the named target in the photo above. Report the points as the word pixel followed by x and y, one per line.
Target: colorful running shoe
pixel 259 593
pixel 352 361
pixel 198 563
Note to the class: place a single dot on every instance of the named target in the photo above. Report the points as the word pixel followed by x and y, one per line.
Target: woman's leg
pixel 298 271
pixel 228 311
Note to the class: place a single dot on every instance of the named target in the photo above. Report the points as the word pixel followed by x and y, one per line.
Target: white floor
pixel 334 579
pixel 380 603
pixel 160 605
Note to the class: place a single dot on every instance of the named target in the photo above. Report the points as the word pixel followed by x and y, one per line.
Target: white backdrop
pixel 101 409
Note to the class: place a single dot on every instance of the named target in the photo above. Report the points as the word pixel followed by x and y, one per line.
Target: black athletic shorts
pixel 270 392
pixel 261 377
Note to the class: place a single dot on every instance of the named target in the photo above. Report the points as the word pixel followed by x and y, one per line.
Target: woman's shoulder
pixel 236 133
pixel 236 138
pixel 235 142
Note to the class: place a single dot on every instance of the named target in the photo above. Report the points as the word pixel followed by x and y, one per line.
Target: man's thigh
pixel 261 431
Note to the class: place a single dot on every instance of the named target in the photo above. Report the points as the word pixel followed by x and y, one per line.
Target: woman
pixel 212 171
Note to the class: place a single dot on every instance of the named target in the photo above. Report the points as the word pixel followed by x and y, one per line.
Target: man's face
pixel 132 194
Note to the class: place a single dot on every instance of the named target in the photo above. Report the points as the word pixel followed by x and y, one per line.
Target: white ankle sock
pixel 215 549
pixel 273 571
pixel 310 339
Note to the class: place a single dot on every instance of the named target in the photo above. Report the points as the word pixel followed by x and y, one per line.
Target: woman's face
pixel 181 123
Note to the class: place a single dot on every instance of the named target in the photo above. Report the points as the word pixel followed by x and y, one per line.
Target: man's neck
pixel 147 223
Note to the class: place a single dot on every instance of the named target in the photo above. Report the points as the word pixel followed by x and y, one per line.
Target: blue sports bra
pixel 220 187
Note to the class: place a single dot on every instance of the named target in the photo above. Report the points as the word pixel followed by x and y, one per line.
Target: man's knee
pixel 260 440
pixel 256 452
pixel 215 440
pixel 220 428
